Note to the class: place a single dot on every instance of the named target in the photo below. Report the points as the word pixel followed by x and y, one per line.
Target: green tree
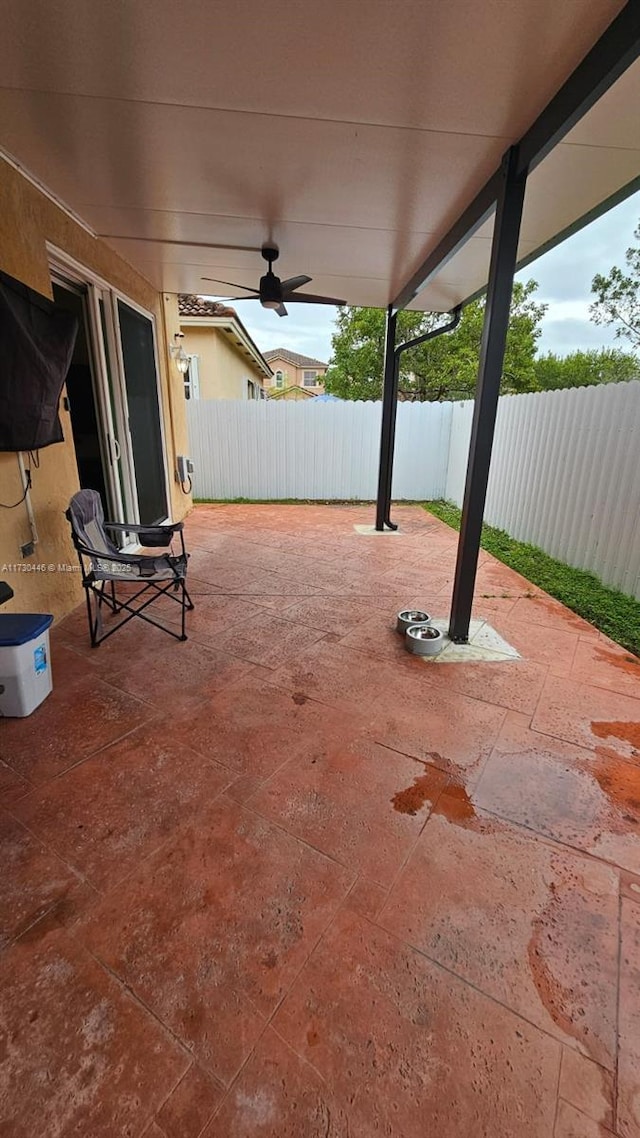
pixel 444 368
pixel 618 296
pixel 585 369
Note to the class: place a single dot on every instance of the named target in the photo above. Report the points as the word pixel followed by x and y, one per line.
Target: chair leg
pixel 92 627
pixel 185 598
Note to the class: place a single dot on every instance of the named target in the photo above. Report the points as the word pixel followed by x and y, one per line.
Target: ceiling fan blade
pixel 214 280
pixel 281 310
pixel 310 298
pixel 295 282
pixel 252 296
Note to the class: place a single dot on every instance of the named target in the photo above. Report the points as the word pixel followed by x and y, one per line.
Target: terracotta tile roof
pixel 293 358
pixel 191 305
pixel 280 392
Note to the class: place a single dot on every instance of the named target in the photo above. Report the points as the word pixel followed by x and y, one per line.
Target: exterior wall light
pixel 178 353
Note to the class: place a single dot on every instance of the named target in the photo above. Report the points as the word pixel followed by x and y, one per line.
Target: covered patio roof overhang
pixel 402 155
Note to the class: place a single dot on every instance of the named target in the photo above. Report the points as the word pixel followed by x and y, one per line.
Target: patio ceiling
pixel 354 135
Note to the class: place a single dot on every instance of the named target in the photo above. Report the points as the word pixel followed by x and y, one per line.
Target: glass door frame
pixel 111 393
pixel 115 297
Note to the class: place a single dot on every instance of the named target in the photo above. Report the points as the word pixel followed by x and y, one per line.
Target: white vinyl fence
pixel 565 472
pixel 565 475
pixel 258 449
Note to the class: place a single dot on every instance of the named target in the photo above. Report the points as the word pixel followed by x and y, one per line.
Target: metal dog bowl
pixel 423 640
pixel 411 616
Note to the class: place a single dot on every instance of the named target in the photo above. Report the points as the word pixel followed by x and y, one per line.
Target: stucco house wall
pixel 28 220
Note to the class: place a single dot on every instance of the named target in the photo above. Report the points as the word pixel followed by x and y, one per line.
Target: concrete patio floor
pixel 286 880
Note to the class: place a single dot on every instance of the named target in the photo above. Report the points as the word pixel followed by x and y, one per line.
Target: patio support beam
pixel 504 251
pixel 388 429
pixel 390 396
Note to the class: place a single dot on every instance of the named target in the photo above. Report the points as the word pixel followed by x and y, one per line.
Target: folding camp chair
pixel 104 566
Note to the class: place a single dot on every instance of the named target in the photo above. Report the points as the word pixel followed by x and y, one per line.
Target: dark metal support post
pixel 504 251
pixel 383 510
pixel 388 431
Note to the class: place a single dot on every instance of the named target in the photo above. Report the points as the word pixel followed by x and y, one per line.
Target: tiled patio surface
pixel 286 881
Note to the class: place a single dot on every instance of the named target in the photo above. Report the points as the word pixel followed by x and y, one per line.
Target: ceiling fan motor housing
pixel 270 291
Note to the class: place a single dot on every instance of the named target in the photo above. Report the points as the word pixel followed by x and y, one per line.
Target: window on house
pixel 279 379
pixel 192 379
pixel 310 378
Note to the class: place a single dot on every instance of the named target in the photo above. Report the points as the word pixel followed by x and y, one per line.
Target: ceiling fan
pixel 272 292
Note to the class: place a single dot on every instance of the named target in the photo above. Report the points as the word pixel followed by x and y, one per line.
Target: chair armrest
pixel 118 558
pixel 171 527
pixel 155 537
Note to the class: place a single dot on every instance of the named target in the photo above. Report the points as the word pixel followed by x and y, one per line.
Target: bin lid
pixel 20 627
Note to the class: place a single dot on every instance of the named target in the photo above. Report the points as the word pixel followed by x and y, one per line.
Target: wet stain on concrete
pixel 618 729
pixel 555 997
pixel 299 697
pixel 456 806
pixel 411 800
pixel 628 664
pixel 620 782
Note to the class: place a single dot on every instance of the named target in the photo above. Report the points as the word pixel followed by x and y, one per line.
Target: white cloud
pixel 564 277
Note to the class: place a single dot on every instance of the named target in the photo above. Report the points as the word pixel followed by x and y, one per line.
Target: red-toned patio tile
pixel 69 664
pixel 630 886
pixel 212 929
pixel 493 576
pixel 268 641
pixel 153 1131
pixel 278 1095
pixel 12 785
pixel 112 810
pixel 34 882
pixel 449 731
pixel 607 666
pixel 407 1048
pixel 73 722
pixel 489 606
pixel 572 1123
pixel 366 898
pixel 80 1056
pixel 554 647
pixel 581 798
pixel 221 571
pixel 362 804
pixel 213 616
pixel 589 716
pixel 377 636
pixel 330 614
pixel 514 684
pixel 629 1025
pixel 588 1087
pixel 423 580
pixel 546 611
pixel 530 924
pixel 176 675
pixel 190 1105
pixel 254 728
pixel 276 586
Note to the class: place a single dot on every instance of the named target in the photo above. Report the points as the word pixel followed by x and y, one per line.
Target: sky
pixel 564 277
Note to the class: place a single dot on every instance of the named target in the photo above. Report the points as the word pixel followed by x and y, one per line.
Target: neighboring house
pixel 290 369
pixel 294 392
pixel 224 362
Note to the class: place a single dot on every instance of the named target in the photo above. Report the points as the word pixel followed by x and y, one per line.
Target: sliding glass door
pixel 145 425
pixel 115 401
